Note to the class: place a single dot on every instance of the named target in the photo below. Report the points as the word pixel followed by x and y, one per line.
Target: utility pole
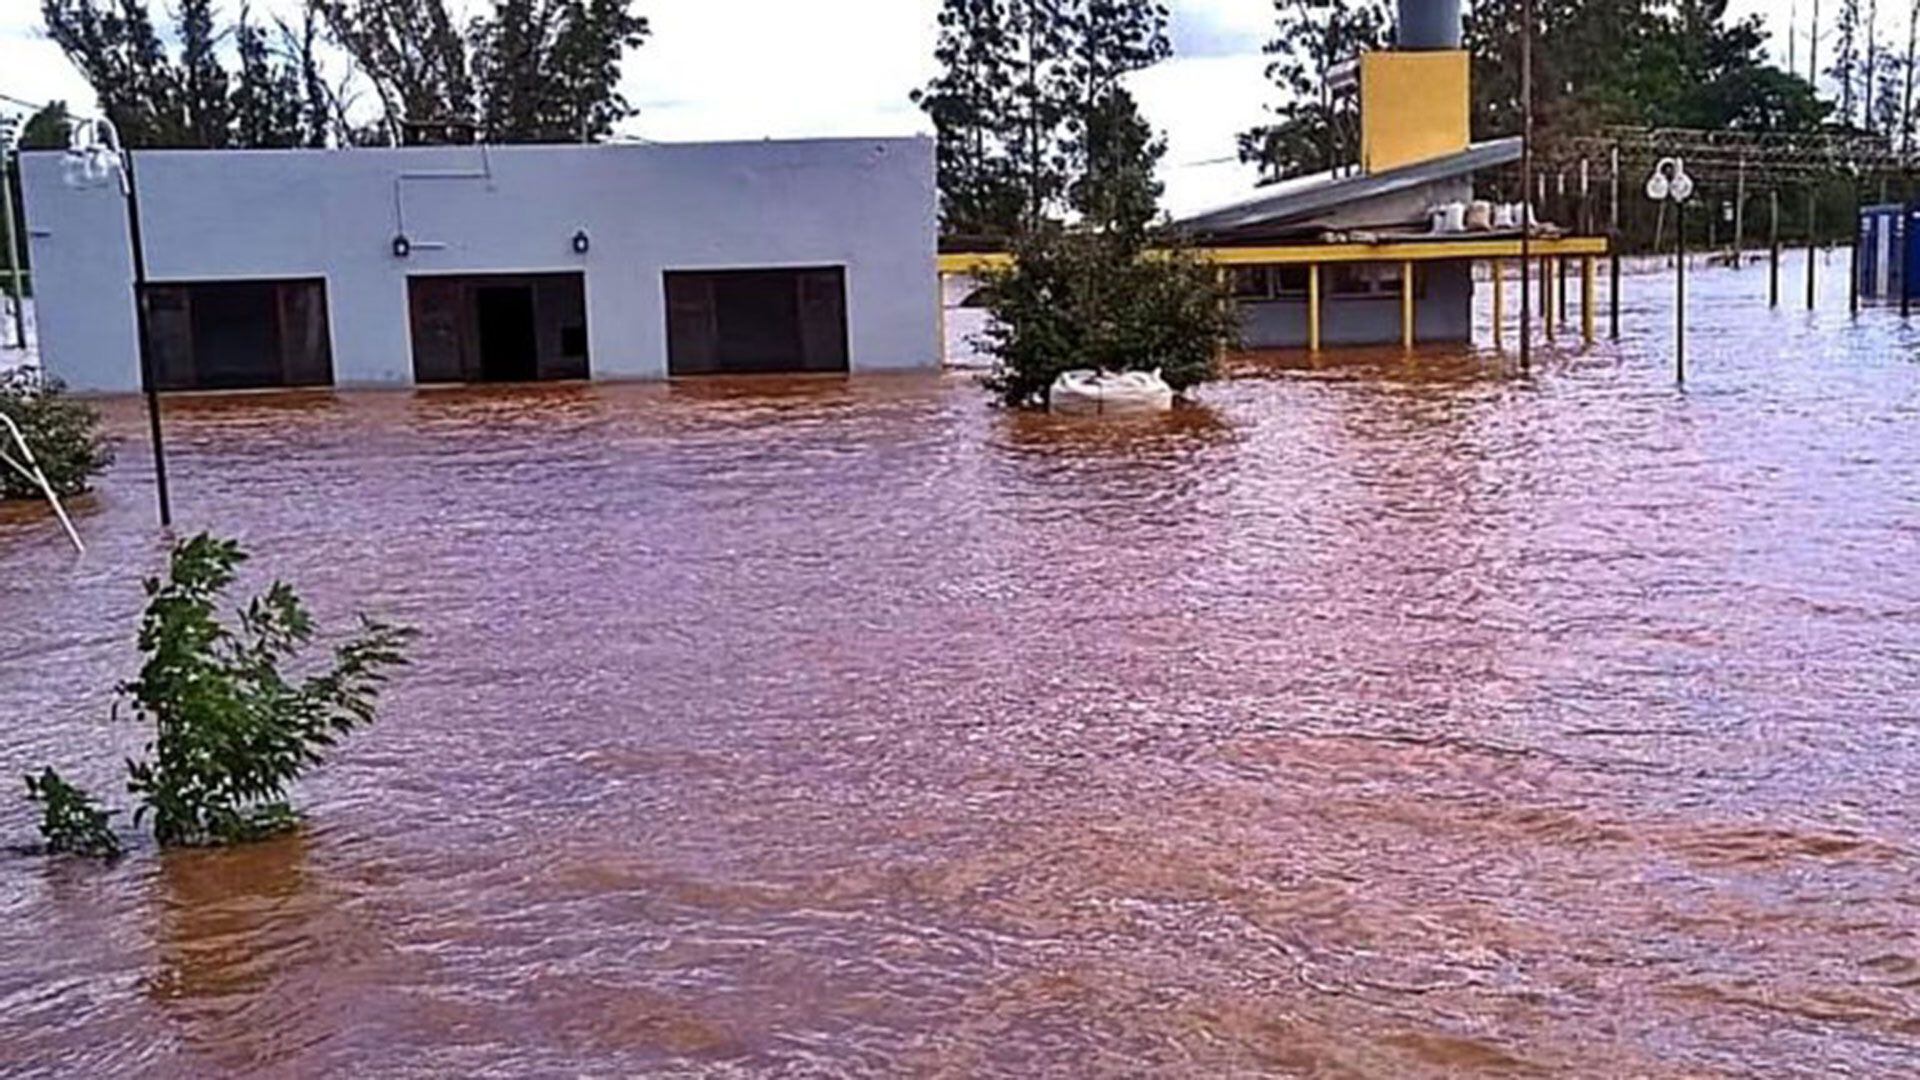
pixel 1526 183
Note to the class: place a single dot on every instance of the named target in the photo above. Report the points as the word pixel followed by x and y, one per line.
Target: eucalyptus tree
pixel 549 70
pixel 1312 130
pixel 1023 85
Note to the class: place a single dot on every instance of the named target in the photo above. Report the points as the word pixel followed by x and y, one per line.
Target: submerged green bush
pixel 70 822
pixel 1091 298
pixel 63 434
pixel 231 729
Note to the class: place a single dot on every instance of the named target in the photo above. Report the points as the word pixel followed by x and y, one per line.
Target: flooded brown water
pixel 1381 717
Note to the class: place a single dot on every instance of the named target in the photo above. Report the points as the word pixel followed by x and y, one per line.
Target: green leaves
pixel 1093 298
pixel 1020 94
pixel 231 727
pixel 69 821
pixel 63 434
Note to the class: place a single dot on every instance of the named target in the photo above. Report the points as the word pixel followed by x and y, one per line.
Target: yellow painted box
pixel 1413 107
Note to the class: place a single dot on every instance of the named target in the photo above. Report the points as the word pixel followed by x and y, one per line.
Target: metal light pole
pixel 1670 183
pixel 94 153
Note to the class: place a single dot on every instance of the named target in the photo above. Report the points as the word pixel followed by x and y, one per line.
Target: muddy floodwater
pixel 1381 716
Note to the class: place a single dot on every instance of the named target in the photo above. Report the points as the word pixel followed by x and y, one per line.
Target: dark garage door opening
pixel 738 321
pixel 498 327
pixel 239 335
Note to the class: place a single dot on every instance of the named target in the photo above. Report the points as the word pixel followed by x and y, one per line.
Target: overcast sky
pixel 732 69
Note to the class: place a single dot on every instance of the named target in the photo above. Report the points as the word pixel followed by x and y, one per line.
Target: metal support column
pixel 1406 304
pixel 1812 212
pixel 1313 307
pixel 1499 301
pixel 1773 248
pixel 1586 298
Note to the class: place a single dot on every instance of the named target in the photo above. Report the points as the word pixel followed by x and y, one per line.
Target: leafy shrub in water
pixel 231 729
pixel 1091 298
pixel 63 434
pixel 69 820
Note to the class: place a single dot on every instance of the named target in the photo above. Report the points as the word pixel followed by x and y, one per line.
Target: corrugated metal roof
pixel 1302 196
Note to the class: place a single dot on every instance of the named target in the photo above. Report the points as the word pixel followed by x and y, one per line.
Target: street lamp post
pixel 95 156
pixel 1670 183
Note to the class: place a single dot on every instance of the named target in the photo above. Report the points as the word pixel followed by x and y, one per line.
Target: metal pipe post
pixel 148 377
pixel 1313 307
pixel 1526 182
pixel 1406 305
pixel 1499 300
pixel 1906 228
pixel 1739 211
pixel 1853 258
pixel 1613 252
pixel 1680 294
pixel 1811 250
pixel 1773 249
pixel 1586 298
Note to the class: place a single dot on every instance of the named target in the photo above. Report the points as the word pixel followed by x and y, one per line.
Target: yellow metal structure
pixel 1313 308
pixel 1586 298
pixel 1499 299
pixel 1309 254
pixel 1546 295
pixel 1406 305
pixel 1413 107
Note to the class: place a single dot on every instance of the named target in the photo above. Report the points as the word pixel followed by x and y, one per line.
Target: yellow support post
pixel 1499 301
pixel 1313 307
pixel 940 306
pixel 1586 298
pixel 1546 294
pixel 1406 304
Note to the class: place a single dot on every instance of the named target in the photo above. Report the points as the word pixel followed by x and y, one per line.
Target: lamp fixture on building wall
pixel 402 247
pixel 581 242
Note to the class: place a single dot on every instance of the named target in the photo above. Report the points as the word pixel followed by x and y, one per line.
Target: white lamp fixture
pixel 93 155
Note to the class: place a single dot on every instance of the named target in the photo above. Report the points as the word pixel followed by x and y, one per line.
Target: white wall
pixel 866 204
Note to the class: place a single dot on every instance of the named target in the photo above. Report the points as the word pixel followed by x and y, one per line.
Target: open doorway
pixel 498 327
pixel 233 335
pixel 756 320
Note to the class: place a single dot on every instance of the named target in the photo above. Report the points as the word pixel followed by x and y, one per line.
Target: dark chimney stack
pixel 1428 25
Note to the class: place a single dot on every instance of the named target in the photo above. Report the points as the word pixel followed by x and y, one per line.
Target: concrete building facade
pixel 386 267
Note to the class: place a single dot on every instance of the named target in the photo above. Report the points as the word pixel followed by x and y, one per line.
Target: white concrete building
pixel 383 267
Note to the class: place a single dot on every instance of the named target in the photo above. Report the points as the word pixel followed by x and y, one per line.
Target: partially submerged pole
pixel 1586 298
pixel 1739 211
pixel 1313 307
pixel 1499 300
pixel 1773 248
pixel 1906 228
pixel 1406 304
pixel 1680 293
pixel 1853 258
pixel 1812 210
pixel 1546 294
pixel 1526 181
pixel 148 375
pixel 1613 253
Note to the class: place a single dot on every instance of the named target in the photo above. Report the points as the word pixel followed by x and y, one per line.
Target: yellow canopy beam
pixel 1308 254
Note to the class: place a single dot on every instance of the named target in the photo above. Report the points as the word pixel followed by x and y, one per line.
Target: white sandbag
pixel 1086 393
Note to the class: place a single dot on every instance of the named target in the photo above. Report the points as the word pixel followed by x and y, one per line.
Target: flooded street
pixel 1382 716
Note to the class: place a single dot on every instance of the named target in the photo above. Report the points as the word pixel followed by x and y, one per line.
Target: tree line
pixel 1683 63
pixel 524 71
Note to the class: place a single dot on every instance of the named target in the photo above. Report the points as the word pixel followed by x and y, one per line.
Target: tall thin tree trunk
pixel 1813 48
pixel 1906 91
pixel 1873 72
